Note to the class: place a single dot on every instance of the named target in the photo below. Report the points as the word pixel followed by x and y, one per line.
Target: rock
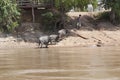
pixel 99 44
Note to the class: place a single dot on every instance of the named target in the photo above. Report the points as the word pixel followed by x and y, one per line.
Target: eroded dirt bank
pixel 89 35
pixel 77 38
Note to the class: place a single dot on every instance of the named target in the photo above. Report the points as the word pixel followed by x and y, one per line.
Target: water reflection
pixel 60 64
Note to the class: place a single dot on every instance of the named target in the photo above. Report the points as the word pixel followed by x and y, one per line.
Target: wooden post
pixel 33 14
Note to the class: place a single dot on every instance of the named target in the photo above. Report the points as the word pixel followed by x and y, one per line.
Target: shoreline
pixel 107 38
pixel 27 45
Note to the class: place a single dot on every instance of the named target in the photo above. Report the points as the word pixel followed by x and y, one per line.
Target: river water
pixel 84 63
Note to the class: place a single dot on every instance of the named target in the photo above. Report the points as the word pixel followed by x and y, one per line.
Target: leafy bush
pixel 114 5
pixel 103 15
pixel 9 15
pixel 49 20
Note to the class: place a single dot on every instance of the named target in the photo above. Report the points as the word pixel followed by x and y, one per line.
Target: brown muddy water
pixel 60 64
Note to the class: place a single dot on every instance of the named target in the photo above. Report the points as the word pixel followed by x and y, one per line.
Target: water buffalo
pixel 62 33
pixel 54 38
pixel 44 40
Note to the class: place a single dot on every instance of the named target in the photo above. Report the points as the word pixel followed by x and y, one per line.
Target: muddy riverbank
pixel 79 38
pixel 92 34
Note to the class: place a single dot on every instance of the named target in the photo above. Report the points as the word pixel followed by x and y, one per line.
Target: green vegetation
pixel 9 12
pixel 49 19
pixel 115 9
pixel 103 16
pixel 80 5
pixel 9 15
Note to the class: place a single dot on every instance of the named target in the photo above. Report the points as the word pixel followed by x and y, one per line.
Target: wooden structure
pixel 30 3
pixel 39 4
